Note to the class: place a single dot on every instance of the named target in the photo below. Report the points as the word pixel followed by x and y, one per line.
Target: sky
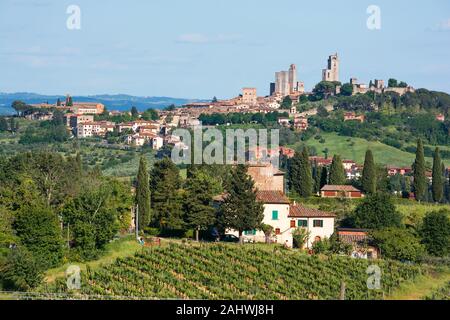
pixel 198 49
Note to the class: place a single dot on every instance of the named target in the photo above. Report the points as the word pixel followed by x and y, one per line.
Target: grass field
pixel 120 248
pixel 355 149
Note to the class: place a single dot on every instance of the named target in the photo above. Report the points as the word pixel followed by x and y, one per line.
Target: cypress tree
pixel 305 185
pixel 420 182
pixel 241 211
pixel 337 171
pixel 323 177
pixel 438 183
pixel 143 194
pixel 316 178
pixel 369 177
pixel 294 172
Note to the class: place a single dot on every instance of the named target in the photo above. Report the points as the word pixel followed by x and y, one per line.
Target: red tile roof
pixel 276 197
pixel 353 236
pixel 340 188
pixel 299 211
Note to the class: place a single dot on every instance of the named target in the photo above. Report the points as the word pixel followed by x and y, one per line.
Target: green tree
pixel 398 244
pixel 435 232
pixel 323 177
pixel 392 83
pixel 37 227
pixel 377 211
pixel 287 103
pixel 134 112
pixel 198 201
pixel 166 198
pixel 437 183
pixel 420 182
pixel 240 210
pixel 347 89
pixel 21 271
pixel 143 195
pixel 294 168
pixel 369 178
pixel 337 171
pixel 305 185
pixel 3 124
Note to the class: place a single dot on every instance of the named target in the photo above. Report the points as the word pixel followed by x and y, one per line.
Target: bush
pixel 435 233
pixel 22 272
pixel 398 244
pixel 376 212
pixel 322 246
pixel 154 232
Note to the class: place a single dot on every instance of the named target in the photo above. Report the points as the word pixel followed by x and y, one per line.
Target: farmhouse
pixel 340 191
pixel 360 242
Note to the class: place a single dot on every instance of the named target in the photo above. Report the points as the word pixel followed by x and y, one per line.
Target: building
pixel 362 246
pixel 266 177
pixel 340 191
pixel 319 224
pixel 440 117
pixel 331 73
pixel 288 152
pixel 358 87
pixel 286 83
pixel 88 129
pixel 249 96
pixel 87 108
pixel 300 124
pixel 282 83
pixel 351 116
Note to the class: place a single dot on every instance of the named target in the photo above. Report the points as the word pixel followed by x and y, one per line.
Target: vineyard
pixel 212 271
pixel 442 293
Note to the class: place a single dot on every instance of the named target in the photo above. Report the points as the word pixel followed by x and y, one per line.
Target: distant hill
pixel 112 102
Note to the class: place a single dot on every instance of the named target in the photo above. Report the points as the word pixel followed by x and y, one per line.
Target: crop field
pixel 224 271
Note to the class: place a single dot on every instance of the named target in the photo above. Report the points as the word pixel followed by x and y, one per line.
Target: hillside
pixel 112 102
pixel 355 148
pixel 214 271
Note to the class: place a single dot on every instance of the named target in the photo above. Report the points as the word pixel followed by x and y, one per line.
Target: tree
pixel 392 83
pixel 3 124
pixel 347 89
pixel 166 199
pixel 12 125
pixel 398 244
pixel 323 177
pixel 21 272
pixel 294 165
pixel 437 186
pixel 240 210
pixel 435 232
pixel 214 99
pixel 37 227
pixel 69 101
pixel 369 177
pixel 377 211
pixel 300 236
pixel 143 195
pixel 305 185
pixel 58 102
pixel 19 106
pixel 198 201
pixel 287 103
pixel 134 112
pixel 420 182
pixel 322 111
pixel 337 171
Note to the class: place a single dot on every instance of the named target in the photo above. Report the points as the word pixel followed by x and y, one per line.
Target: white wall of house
pixel 325 229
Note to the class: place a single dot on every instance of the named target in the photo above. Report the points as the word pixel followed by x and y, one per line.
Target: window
pixel 250 232
pixel 277 231
pixel 275 215
pixel 292 223
pixel 302 223
pixel 318 223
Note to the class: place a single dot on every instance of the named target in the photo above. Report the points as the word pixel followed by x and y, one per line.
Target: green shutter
pixel 302 223
pixel 274 215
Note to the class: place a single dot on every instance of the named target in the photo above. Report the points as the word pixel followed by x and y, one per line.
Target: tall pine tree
pixel 438 183
pixel 337 171
pixel 323 177
pixel 305 185
pixel 369 175
pixel 294 165
pixel 143 195
pixel 420 182
pixel 198 201
pixel 241 211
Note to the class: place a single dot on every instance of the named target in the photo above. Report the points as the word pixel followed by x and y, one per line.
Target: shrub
pixel 398 244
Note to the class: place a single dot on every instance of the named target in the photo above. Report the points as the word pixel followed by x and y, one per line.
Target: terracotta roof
pixel 268 196
pixel 353 236
pixel 339 188
pixel 299 211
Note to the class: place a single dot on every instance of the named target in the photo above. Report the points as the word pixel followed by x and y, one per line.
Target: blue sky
pixel 202 48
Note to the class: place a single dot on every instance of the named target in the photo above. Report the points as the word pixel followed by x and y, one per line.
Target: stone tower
pixel 332 71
